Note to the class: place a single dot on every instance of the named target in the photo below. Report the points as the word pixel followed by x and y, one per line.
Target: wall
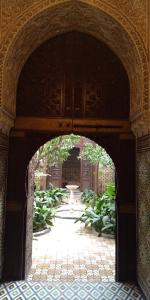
pixel 143 210
pixel 3 177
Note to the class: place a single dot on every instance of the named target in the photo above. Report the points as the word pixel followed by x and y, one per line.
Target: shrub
pixel 106 207
pixel 88 197
pixel 43 209
pixel 42 217
pixel 51 197
pixel 90 217
pixel 102 215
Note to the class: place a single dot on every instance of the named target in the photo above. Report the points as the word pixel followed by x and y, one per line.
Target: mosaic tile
pixel 71 264
pixel 91 256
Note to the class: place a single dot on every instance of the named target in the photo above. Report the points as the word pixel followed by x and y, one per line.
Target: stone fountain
pixel 71 188
pixel 70 211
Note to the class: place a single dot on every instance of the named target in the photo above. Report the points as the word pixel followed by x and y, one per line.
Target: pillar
pixel 3 183
pixel 143 214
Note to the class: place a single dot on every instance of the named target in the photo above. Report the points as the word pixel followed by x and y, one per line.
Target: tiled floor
pixel 71 263
pixel 70 252
pixel 76 290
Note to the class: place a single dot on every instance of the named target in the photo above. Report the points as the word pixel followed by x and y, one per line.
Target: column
pixel 143 213
pixel 3 181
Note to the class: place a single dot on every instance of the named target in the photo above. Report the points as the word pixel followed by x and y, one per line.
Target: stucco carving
pixel 26 24
pixel 135 10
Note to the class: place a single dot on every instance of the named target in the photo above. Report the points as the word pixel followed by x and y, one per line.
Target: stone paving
pixel 71 252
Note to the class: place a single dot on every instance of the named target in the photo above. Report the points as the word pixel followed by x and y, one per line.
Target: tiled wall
pixel 143 217
pixel 3 177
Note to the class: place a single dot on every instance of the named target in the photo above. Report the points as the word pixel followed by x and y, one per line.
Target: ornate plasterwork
pixel 36 21
pixel 134 10
pixel 137 12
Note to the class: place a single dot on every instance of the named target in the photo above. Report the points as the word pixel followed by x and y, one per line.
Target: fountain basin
pixel 71 187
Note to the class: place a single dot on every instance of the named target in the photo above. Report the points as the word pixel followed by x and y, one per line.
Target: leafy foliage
pixel 105 206
pixel 95 154
pixel 88 197
pixel 51 197
pixel 102 215
pixel 42 217
pixel 43 210
pixel 56 150
pixel 90 217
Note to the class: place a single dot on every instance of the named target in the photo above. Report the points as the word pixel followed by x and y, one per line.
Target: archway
pixel 68 243
pixel 96 18
pixel 107 126
pixel 15 218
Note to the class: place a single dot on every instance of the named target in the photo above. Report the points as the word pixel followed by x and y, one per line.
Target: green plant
pixel 51 197
pixel 88 197
pixel 102 215
pixel 43 209
pixel 105 206
pixel 42 215
pixel 90 218
pixel 54 151
pixel 96 154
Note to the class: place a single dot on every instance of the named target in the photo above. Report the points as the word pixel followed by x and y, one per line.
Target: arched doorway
pixel 69 243
pixel 71 91
pixel 71 169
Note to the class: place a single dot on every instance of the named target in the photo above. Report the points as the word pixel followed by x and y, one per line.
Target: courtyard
pixel 70 251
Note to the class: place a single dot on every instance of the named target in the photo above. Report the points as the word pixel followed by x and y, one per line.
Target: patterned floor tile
pixel 71 251
pixel 77 290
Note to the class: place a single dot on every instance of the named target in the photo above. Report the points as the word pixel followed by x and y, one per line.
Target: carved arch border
pixel 139 115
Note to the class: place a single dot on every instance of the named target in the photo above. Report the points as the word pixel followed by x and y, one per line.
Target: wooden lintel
pixel 75 125
pixel 48 124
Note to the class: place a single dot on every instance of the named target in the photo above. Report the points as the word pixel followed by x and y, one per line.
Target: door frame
pixel 120 147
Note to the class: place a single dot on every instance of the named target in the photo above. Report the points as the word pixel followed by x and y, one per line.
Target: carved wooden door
pixel 73 76
pixel 86 175
pixel 71 169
